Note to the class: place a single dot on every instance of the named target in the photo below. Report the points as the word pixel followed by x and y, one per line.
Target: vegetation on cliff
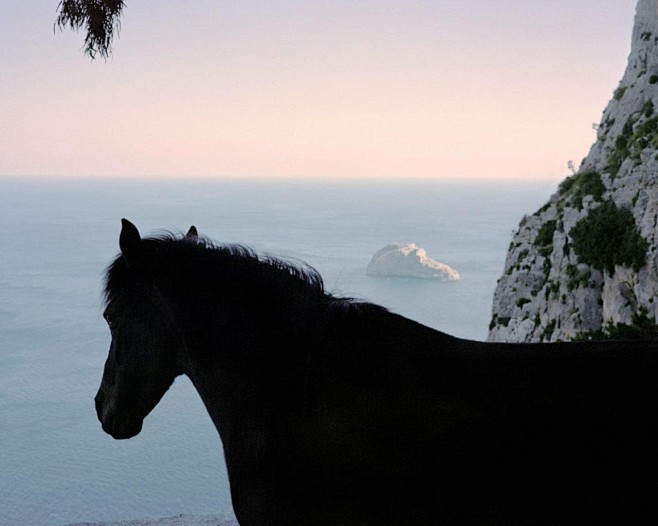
pixel 573 189
pixel 608 236
pixel 634 138
pixel 642 327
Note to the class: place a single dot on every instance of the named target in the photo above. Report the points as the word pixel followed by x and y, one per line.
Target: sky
pixel 342 88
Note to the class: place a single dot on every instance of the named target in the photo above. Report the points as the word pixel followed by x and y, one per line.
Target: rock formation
pixel 408 261
pixel 585 264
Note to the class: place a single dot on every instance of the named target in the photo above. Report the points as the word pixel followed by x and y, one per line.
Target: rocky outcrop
pixel 585 264
pixel 408 261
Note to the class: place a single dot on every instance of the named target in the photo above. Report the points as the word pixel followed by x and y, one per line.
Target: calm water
pixel 56 464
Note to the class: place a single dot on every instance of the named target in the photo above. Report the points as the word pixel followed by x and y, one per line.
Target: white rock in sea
pixel 408 261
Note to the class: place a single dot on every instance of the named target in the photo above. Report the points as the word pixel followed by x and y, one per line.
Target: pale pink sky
pixel 459 88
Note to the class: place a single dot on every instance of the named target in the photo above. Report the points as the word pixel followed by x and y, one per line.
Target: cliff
pixel 585 264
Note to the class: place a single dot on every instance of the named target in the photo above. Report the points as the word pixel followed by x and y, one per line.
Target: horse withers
pixel 338 412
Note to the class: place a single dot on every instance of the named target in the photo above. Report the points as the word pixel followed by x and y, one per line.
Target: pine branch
pixel 99 18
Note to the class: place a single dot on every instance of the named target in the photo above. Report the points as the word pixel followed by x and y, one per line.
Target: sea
pixel 58 234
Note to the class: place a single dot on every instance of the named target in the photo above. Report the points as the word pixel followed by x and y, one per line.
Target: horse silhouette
pixel 338 412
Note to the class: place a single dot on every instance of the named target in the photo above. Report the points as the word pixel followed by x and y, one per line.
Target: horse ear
pixel 130 242
pixel 192 234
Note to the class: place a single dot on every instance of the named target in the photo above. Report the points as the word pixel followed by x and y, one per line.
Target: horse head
pixel 143 359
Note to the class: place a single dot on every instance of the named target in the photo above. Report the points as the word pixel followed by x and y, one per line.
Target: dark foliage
pixel 642 327
pixel 608 236
pixel 99 18
pixel 580 185
pixel 544 239
pixel 634 139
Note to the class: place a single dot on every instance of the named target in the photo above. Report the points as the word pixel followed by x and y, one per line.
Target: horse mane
pixel 174 254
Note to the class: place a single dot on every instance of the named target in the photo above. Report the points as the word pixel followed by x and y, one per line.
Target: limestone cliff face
pixel 586 263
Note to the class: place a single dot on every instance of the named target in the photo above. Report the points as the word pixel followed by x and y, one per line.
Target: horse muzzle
pixel 117 426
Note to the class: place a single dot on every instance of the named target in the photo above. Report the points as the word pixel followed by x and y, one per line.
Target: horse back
pixel 390 422
pixel 399 413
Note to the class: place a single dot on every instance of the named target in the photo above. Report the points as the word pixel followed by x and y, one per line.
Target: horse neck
pixel 246 355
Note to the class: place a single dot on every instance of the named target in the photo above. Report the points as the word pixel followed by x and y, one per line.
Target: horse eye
pixel 111 320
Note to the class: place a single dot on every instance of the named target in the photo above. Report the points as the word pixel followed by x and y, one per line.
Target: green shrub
pixel 522 255
pixel 622 150
pixel 544 239
pixel 547 267
pixel 635 198
pixel 493 322
pixel 567 184
pixel 619 93
pixel 576 278
pixel 548 330
pixel 642 327
pixel 653 79
pixel 589 184
pixel 645 135
pixel 582 184
pixel 608 236
pixel 631 142
pixel 542 209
